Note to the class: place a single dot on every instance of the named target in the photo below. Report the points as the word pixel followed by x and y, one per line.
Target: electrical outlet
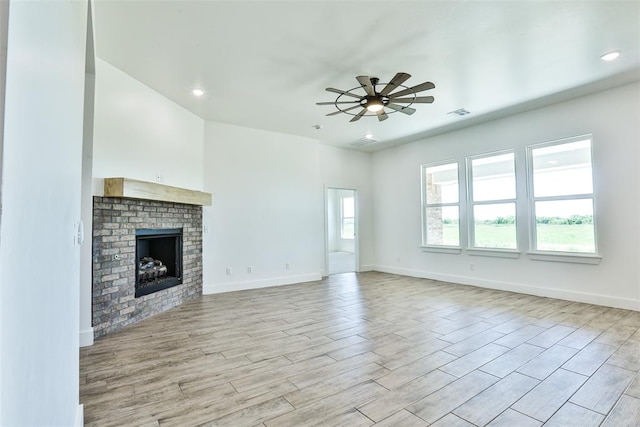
pixel 116 257
pixel 287 266
pixel 229 272
pixel 472 266
pixel 205 228
pixel 249 270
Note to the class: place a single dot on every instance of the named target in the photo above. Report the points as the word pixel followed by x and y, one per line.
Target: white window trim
pixel 471 229
pixel 494 252
pixel 429 247
pixel 572 257
pixel 559 256
pixel 442 249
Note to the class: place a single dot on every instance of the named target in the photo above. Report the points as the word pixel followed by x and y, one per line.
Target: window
pixel 347 215
pixel 492 201
pixel 440 200
pixel 561 196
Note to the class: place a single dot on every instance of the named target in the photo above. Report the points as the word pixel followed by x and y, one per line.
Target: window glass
pixel 440 199
pixel 495 226
pixel 565 225
pixel 493 196
pixel 561 170
pixel 494 178
pixel 442 184
pixel 563 200
pixel 348 209
pixel 443 226
pixel 348 228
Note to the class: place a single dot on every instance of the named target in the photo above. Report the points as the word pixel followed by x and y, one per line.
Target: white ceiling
pixel 264 64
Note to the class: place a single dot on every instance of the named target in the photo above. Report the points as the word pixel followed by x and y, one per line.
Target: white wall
pixel 268 206
pixel 267 209
pixel 612 118
pixel 4 28
pixel 86 195
pixel 86 209
pixel 340 168
pixel 41 201
pixel 139 133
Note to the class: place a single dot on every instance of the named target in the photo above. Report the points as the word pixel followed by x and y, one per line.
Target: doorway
pixel 342 225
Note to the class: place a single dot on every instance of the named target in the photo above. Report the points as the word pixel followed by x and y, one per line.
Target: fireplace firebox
pixel 158 259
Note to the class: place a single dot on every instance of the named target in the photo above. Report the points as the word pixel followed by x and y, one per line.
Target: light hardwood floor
pixel 364 349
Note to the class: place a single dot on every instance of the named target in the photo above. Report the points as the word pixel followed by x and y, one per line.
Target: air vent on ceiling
pixel 363 141
pixel 459 112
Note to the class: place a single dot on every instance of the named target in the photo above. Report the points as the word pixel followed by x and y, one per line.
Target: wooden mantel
pixel 134 189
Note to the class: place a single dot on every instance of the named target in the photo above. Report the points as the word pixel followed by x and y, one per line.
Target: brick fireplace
pixel 115 221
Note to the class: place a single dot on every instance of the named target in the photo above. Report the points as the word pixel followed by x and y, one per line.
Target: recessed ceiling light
pixel 611 56
pixel 198 92
pixel 368 135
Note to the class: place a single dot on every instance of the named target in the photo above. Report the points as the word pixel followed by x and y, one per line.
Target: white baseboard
pixel 609 301
pixel 262 283
pixel 86 337
pixel 79 416
pixel 366 267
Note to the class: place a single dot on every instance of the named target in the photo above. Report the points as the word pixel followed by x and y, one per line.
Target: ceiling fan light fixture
pixel 375 105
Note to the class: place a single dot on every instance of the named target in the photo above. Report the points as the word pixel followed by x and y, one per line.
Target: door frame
pixel 356 220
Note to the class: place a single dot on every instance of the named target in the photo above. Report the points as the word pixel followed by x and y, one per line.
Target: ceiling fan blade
pixel 406 110
pixel 414 89
pixel 360 114
pixel 398 79
pixel 416 100
pixel 342 111
pixel 365 82
pixel 342 92
pixel 337 102
pixel 382 116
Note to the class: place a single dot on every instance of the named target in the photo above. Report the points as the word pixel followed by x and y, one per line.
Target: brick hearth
pixel 114 226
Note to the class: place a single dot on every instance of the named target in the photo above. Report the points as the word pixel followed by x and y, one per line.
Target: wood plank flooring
pixel 368 349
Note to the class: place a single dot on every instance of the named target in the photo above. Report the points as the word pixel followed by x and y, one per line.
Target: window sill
pixel 576 258
pixel 442 249
pixel 498 253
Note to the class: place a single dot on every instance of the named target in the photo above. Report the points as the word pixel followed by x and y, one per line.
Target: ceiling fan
pixel 379 103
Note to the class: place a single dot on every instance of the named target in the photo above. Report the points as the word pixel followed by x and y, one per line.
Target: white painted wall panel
pixel 267 209
pixel 139 132
pixel 611 116
pixel 340 168
pixel 41 177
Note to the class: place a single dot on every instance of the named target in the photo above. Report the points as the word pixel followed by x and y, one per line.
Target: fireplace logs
pixel 150 269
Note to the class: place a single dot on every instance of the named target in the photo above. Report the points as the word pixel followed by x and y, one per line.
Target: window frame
pixel 471 244
pixel 342 217
pixel 551 255
pixel 424 206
